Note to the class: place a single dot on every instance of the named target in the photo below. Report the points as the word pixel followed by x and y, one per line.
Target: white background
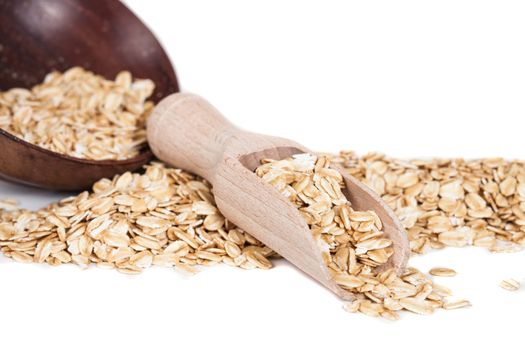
pixel 407 78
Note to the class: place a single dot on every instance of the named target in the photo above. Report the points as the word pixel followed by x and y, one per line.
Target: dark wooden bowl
pixel 104 36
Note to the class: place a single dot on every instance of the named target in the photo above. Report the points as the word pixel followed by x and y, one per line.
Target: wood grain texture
pixel 103 36
pixel 188 132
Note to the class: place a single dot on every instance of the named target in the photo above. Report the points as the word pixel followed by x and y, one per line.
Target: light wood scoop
pixel 189 133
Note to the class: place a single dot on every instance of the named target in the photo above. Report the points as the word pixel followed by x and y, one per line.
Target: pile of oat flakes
pixel 81 114
pixel 351 242
pixel 167 217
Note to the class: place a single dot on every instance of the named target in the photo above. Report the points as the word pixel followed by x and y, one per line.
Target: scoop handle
pixel 185 130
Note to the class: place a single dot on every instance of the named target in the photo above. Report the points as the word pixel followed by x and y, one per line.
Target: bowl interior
pixel 37 37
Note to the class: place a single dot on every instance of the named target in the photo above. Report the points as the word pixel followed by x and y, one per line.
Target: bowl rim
pixel 144 155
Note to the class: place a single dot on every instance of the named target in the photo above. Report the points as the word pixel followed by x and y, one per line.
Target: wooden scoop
pixel 188 132
pixel 37 37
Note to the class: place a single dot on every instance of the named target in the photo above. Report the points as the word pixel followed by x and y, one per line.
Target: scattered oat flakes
pixel 453 203
pixel 131 223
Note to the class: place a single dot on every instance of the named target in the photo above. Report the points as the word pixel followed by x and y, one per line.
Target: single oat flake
pixel 442 272
pixel 456 304
pixel 510 285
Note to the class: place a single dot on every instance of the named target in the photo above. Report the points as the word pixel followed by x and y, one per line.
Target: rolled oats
pixel 81 114
pixel 167 217
pixel 454 202
pixel 352 242
pixel 456 304
pixel 442 272
pixel 510 284
pixel 106 227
